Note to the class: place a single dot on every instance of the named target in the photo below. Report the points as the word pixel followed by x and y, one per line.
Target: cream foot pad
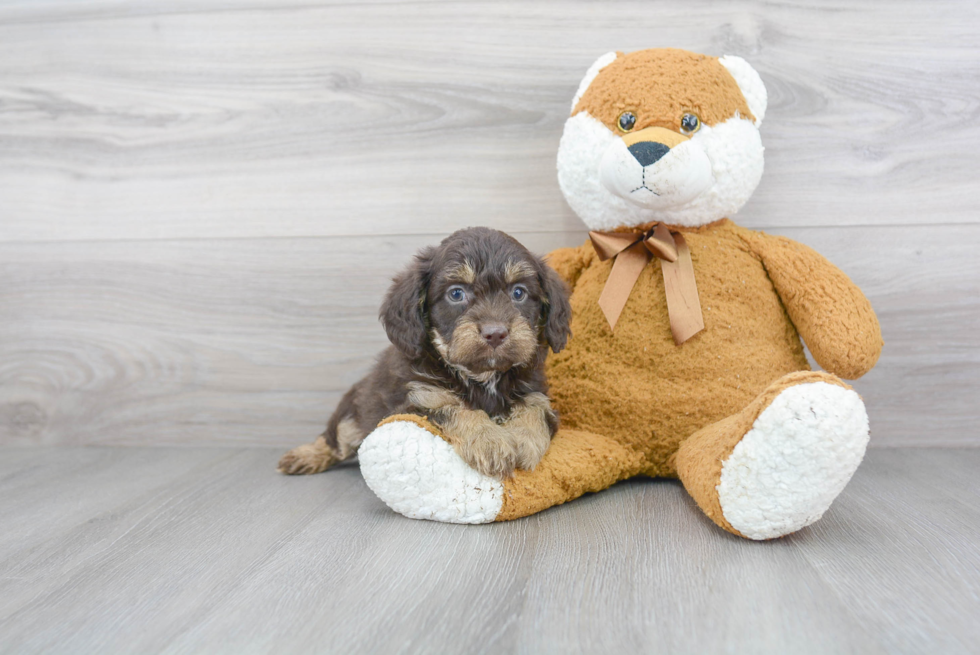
pixel 800 453
pixel 419 475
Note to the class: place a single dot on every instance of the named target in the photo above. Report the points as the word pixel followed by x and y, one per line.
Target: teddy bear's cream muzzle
pixel 656 168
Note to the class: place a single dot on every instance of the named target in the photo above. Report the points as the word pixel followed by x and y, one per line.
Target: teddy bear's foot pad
pixel 419 475
pixel 800 453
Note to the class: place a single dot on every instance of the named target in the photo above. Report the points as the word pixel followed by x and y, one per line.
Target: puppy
pixel 470 323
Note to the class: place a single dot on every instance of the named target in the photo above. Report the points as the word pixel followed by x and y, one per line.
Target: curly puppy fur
pixel 470 322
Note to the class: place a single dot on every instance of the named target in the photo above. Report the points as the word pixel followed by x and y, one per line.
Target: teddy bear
pixel 686 359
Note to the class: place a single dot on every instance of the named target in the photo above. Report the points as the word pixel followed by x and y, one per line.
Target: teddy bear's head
pixel 662 135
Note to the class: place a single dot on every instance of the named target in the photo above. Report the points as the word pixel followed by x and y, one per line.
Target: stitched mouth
pixel 644 186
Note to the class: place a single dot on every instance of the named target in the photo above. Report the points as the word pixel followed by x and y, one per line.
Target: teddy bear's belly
pixel 636 386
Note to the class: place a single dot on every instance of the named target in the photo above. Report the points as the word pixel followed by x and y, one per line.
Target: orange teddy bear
pixel 686 360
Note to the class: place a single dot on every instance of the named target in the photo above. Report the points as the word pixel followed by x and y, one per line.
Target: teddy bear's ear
pixel 590 75
pixel 750 83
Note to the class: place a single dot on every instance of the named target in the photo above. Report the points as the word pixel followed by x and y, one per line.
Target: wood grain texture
pixel 251 118
pixel 239 342
pixel 252 342
pixel 201 203
pixel 209 550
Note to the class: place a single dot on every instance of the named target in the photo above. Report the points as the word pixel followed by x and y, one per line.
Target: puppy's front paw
pixel 531 446
pixel 491 450
pixel 531 425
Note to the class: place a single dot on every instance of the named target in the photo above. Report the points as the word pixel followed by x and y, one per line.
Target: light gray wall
pixel 201 203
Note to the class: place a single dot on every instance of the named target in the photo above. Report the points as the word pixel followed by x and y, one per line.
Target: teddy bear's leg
pixel 577 462
pixel 413 468
pixel 777 465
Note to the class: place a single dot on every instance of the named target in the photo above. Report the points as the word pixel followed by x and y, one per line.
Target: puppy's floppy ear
pixel 556 313
pixel 403 310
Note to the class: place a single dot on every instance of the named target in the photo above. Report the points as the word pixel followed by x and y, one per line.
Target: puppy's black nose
pixel 495 334
pixel 648 152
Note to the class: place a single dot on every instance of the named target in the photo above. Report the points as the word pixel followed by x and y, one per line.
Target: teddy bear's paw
pixel 800 453
pixel 419 475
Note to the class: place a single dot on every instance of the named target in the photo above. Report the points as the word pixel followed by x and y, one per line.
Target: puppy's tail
pixel 308 459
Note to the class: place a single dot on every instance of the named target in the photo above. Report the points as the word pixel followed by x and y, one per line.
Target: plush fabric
pixel 675 81
pixel 636 385
pixel 762 444
pixel 700 458
pixel 710 175
pixel 448 490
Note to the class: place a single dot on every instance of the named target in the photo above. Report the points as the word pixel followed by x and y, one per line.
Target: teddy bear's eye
pixel 690 124
pixel 626 121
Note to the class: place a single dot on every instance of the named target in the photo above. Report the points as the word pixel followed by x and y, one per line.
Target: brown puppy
pixel 470 322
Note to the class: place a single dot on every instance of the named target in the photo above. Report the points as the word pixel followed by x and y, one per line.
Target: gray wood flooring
pixel 188 550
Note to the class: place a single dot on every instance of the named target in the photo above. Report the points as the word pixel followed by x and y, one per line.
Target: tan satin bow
pixel 632 251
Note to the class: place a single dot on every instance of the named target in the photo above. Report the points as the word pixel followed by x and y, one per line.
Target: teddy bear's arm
pixel 830 312
pixel 570 262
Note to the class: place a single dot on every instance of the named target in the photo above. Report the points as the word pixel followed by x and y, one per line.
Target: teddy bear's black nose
pixel 648 152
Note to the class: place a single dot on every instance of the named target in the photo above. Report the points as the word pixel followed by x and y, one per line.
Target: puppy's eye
pixel 626 121
pixel 518 293
pixel 690 124
pixel 456 294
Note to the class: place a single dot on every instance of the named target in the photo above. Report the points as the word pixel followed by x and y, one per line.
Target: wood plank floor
pixel 110 549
